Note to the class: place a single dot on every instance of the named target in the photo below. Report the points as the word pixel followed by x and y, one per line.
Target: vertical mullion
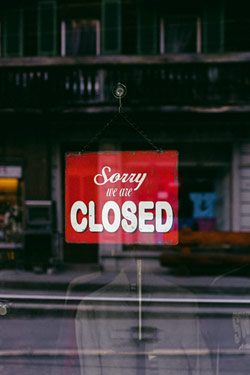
pixel 98 38
pixel 222 26
pixel 198 35
pixel 162 37
pixel 1 37
pixel 63 38
pixel 21 33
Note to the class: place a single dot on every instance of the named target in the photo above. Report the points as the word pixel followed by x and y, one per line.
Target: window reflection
pixel 116 334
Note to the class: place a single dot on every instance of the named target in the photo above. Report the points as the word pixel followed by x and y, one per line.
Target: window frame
pixel 198 42
pixel 64 39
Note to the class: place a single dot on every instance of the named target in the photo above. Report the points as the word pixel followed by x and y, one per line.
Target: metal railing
pixel 86 82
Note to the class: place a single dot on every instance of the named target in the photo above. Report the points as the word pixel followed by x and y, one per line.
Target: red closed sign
pixel 122 197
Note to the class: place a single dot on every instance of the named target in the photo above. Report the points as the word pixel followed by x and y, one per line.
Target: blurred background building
pixel 186 66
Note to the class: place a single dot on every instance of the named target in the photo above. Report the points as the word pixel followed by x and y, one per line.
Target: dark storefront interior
pixel 124 295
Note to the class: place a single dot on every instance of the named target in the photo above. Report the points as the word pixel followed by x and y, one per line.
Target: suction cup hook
pixel 119 91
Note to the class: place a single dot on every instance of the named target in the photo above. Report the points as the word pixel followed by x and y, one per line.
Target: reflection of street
pixel 30 346
pixel 40 335
pixel 163 341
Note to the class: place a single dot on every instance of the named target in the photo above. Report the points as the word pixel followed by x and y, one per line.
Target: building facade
pixel 186 69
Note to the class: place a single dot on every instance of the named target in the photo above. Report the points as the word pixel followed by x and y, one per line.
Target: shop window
pixel 80 37
pixel 204 200
pixel 180 34
pixel 10 210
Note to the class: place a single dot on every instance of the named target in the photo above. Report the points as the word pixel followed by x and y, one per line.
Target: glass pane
pixel 81 37
pixel 132 263
pixel 13 30
pixel 111 26
pixel 47 27
pixel 147 32
pixel 237 27
pixel 180 34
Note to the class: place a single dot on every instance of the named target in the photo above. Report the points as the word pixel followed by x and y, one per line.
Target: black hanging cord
pixel 140 132
pixel 98 134
pixel 119 91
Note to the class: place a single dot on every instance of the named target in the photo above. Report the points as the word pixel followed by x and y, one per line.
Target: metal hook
pixel 119 91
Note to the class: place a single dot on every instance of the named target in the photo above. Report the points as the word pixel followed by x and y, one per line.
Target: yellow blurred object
pixel 8 185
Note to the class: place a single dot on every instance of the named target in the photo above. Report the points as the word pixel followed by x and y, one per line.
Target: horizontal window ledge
pixel 126 59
